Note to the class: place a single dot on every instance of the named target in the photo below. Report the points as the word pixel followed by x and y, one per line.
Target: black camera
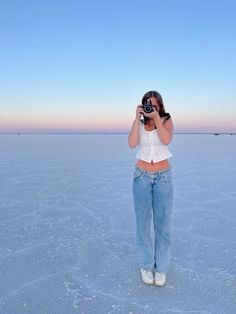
pixel 147 107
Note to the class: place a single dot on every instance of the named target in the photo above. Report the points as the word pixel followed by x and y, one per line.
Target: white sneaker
pixel 147 276
pixel 160 279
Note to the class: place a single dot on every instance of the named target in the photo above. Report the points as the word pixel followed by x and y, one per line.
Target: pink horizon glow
pixel 77 124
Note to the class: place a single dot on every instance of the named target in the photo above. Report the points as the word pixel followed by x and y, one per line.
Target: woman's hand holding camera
pixel 139 112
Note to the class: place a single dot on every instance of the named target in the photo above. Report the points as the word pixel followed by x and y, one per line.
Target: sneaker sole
pixel 148 282
pixel 160 283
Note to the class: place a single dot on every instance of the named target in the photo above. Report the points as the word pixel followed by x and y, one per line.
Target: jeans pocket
pixel 166 176
pixel 137 173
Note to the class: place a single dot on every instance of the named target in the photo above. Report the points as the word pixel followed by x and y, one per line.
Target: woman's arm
pixel 133 138
pixel 165 131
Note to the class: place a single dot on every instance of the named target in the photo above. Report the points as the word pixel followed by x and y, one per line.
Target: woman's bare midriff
pixel 156 166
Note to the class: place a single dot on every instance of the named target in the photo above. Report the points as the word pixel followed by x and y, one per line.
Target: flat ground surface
pixel 67 227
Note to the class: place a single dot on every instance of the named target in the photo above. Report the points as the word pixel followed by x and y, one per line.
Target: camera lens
pixel 147 107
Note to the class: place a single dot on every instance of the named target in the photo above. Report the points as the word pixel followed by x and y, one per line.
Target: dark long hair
pixel 160 102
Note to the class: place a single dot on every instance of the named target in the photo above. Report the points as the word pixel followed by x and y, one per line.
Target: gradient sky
pixel 71 65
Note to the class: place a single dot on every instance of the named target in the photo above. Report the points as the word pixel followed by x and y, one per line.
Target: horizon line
pixel 105 132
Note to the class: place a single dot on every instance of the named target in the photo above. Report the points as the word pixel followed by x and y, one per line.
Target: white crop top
pixel 151 148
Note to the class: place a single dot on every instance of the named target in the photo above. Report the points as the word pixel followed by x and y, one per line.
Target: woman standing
pixel 152 187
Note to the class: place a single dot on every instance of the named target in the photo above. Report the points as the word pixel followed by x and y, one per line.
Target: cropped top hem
pixel 154 160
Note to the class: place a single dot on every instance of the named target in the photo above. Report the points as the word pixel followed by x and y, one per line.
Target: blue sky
pixel 84 66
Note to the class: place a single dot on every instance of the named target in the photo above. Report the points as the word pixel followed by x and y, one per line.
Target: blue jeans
pixel 153 198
